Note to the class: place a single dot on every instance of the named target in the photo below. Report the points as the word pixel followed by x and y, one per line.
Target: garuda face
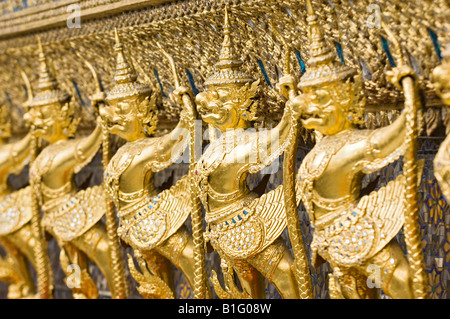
pixel 217 108
pixel 330 108
pixel 50 121
pixel 228 107
pixel 128 117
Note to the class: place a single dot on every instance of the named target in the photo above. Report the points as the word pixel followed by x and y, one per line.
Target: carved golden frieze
pixel 55 14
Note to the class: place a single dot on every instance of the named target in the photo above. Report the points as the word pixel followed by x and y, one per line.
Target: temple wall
pixel 190 30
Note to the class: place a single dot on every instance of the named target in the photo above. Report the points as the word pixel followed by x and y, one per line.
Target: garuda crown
pixel 48 91
pixel 228 70
pixel 125 77
pixel 323 65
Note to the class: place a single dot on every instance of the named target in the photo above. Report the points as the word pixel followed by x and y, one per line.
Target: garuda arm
pixel 14 156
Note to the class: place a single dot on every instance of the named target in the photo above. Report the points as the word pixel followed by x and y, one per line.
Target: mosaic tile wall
pixel 434 223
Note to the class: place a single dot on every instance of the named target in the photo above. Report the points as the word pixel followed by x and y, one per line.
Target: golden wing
pixel 269 209
pixel 72 215
pixel 175 202
pixel 252 227
pixel 362 230
pixel 386 209
pixel 159 218
pixel 15 210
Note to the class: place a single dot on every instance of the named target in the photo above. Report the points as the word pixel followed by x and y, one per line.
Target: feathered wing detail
pixel 175 203
pixel 72 215
pixel 270 209
pixel 252 228
pixel 158 218
pixel 386 207
pixel 389 203
pixel 360 231
pixel 15 210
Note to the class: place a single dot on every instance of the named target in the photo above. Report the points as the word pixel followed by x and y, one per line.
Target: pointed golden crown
pixel 125 83
pixel 323 65
pixel 228 68
pixel 48 91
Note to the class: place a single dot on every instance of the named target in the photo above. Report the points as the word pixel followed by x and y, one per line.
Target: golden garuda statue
pixel 72 218
pixel 15 212
pixel 441 76
pixel 242 226
pixel 150 221
pixel 354 232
